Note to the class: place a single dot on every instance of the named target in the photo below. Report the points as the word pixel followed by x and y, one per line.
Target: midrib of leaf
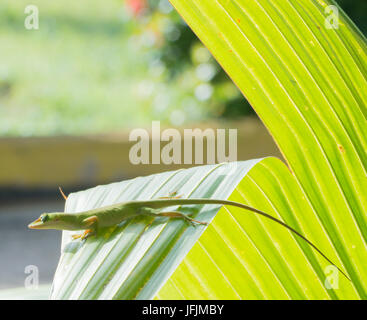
pixel 349 199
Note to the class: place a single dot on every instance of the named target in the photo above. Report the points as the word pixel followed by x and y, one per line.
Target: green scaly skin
pixel 112 215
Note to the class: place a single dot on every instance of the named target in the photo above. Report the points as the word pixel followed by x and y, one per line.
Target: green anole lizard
pixel 108 216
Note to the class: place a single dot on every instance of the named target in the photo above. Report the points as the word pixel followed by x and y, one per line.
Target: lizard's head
pixel 48 221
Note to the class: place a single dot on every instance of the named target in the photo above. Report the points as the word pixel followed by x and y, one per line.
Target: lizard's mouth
pixel 36 224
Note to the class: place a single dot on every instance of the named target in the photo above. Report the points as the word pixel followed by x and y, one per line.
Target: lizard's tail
pixel 192 201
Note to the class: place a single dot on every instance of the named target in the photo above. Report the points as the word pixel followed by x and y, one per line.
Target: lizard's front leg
pixel 91 225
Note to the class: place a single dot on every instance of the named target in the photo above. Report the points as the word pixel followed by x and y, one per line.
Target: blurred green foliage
pixel 96 66
pixel 72 75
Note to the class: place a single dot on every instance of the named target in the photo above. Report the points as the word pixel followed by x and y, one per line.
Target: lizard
pixel 107 216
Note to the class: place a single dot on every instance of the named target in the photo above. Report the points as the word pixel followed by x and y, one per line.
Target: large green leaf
pixel 240 255
pixel 308 84
pixel 135 259
pixel 246 256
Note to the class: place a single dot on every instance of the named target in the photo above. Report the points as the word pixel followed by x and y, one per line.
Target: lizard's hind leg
pixel 171 195
pixel 172 214
pixel 177 214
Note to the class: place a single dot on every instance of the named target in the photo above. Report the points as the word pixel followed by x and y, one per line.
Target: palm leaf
pixel 134 259
pixel 244 256
pixel 308 85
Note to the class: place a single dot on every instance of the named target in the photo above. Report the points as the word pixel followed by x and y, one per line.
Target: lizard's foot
pixel 172 195
pixel 194 222
pixel 86 234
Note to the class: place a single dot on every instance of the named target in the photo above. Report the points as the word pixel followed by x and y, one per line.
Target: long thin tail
pixel 162 203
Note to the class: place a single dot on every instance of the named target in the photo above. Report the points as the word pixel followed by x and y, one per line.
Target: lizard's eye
pixel 44 217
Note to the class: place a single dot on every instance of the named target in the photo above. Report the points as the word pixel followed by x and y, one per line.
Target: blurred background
pixel 71 91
